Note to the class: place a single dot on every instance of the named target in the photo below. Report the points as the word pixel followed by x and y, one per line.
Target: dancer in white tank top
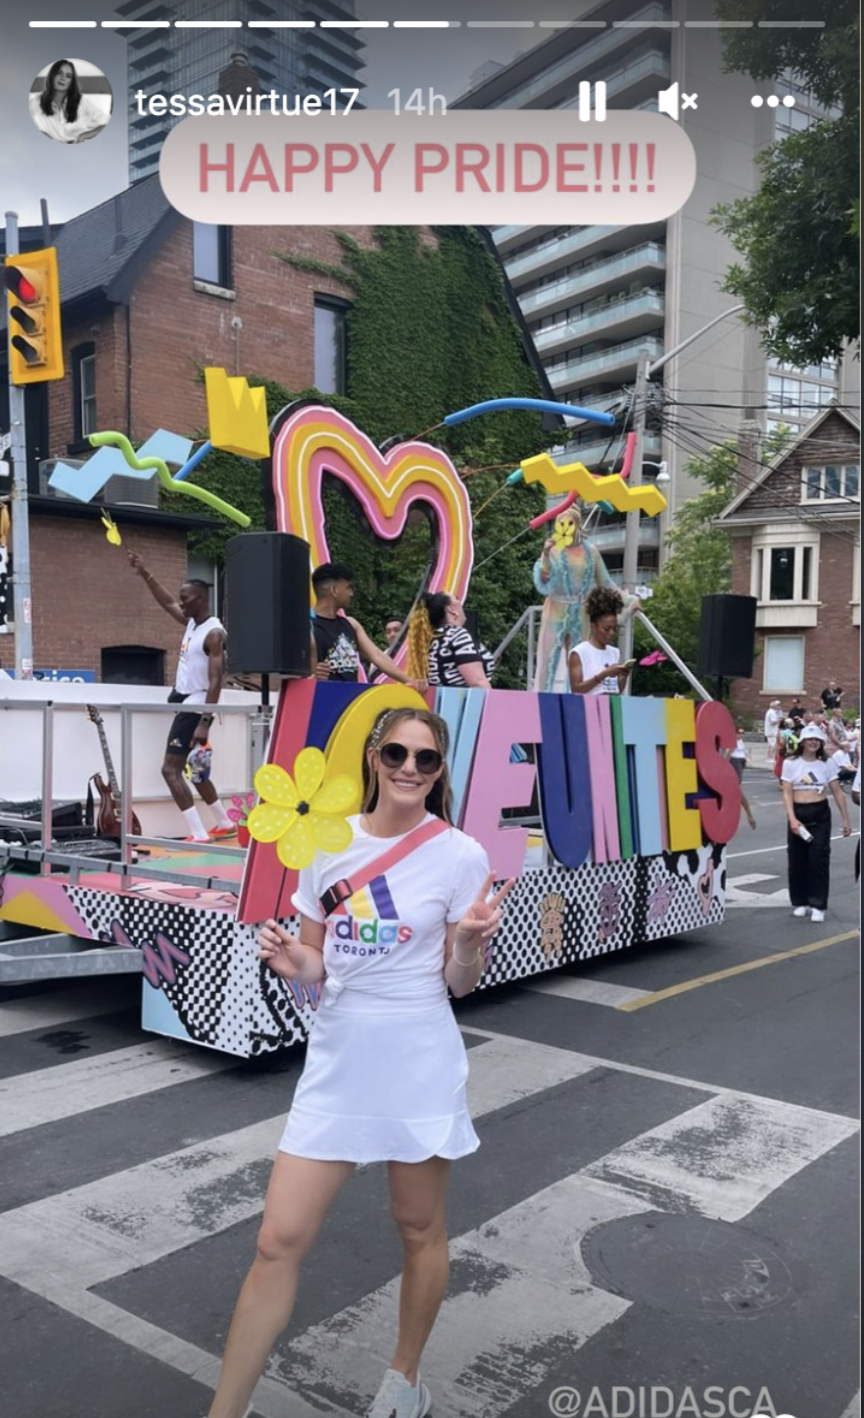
pixel 200 672
pixel 594 664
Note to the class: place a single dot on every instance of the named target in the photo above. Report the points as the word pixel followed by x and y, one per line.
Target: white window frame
pixel 767 686
pixel 796 542
pixel 821 467
pixel 856 584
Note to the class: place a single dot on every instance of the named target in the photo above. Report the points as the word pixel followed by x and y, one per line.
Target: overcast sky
pixel 76 178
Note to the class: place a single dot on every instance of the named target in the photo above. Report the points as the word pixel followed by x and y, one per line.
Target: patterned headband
pixel 378 731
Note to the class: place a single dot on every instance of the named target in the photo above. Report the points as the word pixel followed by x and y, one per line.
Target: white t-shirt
pixel 593 661
pixel 740 750
pixel 389 941
pixel 193 667
pixel 813 777
pixel 773 720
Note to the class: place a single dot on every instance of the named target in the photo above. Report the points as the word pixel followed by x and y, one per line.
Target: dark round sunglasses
pixel 393 755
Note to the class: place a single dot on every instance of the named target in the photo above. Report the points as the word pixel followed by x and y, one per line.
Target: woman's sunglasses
pixel 393 755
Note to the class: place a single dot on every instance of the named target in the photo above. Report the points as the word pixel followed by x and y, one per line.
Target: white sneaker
pixel 396 1398
pixel 817 915
pixel 801 911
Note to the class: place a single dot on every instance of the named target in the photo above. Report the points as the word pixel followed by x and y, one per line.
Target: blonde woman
pixel 385 1072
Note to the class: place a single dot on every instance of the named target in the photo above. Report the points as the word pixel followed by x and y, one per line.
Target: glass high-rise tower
pixel 168 60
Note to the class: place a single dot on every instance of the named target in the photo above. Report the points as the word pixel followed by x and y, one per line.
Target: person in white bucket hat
pixel 808 775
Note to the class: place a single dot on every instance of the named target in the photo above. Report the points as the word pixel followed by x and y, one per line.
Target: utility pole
pixel 19 509
pixel 630 574
pixel 644 371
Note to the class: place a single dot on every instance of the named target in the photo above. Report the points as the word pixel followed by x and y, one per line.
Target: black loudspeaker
pixel 267 604
pixel 727 632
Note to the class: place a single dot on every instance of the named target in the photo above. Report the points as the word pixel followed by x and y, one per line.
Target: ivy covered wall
pixel 429 332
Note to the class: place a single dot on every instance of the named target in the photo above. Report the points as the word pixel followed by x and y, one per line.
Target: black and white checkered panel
pixel 282 1013
pixel 607 907
pixel 209 1011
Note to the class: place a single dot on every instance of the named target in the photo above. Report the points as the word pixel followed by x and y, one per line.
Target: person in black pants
pixel 808 775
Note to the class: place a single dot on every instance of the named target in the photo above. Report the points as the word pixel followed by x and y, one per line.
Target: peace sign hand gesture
pixel 482 919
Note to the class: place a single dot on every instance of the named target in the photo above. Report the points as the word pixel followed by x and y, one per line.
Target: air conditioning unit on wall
pixel 131 492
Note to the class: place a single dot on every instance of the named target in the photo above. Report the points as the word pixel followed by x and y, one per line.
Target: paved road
pixel 662 1217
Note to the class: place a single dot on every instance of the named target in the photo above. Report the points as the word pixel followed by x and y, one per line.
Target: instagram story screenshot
pixel 430 488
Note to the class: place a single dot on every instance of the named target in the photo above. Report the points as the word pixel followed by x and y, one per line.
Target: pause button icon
pixel 585 102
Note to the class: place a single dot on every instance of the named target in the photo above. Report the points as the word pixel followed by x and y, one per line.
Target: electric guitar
pixel 110 796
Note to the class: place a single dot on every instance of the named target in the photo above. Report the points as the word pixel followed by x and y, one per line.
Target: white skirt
pixel 384 1081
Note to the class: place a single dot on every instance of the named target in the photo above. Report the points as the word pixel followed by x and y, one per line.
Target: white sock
pixel 221 816
pixel 194 823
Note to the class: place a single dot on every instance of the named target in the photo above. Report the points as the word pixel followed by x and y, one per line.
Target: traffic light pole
pixel 19 508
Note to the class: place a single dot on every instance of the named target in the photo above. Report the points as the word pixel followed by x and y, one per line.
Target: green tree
pixel 429 332
pixel 699 564
pixel 799 233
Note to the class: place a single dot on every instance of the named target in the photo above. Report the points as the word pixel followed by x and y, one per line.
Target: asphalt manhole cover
pixel 688 1266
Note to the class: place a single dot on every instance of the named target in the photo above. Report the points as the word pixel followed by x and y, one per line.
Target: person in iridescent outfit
pixel 568 568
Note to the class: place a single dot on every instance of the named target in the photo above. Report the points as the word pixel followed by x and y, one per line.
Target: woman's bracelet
pixel 466 964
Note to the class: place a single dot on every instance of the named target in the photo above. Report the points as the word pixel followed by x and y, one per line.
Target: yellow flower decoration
pixel 304 814
pixel 564 534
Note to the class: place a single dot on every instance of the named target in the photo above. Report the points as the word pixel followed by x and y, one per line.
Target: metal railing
pixel 530 618
pixel 260 719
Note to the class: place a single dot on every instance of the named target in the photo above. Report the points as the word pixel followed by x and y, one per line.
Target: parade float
pixel 612 812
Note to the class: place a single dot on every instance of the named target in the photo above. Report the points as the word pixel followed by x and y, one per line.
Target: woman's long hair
pixel 439 800
pixel 427 618
pixel 73 93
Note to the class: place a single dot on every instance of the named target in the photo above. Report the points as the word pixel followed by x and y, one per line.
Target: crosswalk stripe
pixel 494 1339
pixel 61 1007
pixel 588 991
pixel 530 1295
pixel 33 1099
pixel 854 1409
pixel 723 1157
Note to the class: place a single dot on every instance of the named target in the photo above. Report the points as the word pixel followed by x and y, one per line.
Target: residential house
pixel 796 547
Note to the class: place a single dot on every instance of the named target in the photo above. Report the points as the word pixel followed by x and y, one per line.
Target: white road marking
pixel 854 1409
pixel 49 1011
pixel 737 897
pixel 49 1095
pixel 722 1157
pixel 523 1265
pixel 781 847
pixel 588 991
pixel 528 1296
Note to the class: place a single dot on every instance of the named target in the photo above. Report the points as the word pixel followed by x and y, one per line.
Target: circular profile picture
pixel 71 101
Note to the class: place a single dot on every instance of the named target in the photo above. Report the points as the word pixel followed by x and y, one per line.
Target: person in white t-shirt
pixel 594 663
pixel 808 776
pixel 389 925
pixel 771 727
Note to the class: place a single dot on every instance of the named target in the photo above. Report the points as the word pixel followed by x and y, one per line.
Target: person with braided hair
pixel 387 926
pixel 441 650
pixel 595 666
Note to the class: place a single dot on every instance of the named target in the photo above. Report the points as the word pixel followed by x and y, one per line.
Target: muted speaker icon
pixel 668 101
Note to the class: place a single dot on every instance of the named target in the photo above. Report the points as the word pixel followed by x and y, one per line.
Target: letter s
pixel 715 731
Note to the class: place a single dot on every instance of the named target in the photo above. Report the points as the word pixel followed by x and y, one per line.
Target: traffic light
pixel 33 312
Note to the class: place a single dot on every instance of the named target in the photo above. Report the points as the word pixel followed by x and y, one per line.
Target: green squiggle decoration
pixel 156 465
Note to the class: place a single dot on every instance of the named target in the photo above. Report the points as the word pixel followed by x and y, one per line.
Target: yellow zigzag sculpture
pixel 575 477
pixel 237 415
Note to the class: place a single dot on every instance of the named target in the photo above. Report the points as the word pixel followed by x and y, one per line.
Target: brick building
pixel 795 529
pixel 149 298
